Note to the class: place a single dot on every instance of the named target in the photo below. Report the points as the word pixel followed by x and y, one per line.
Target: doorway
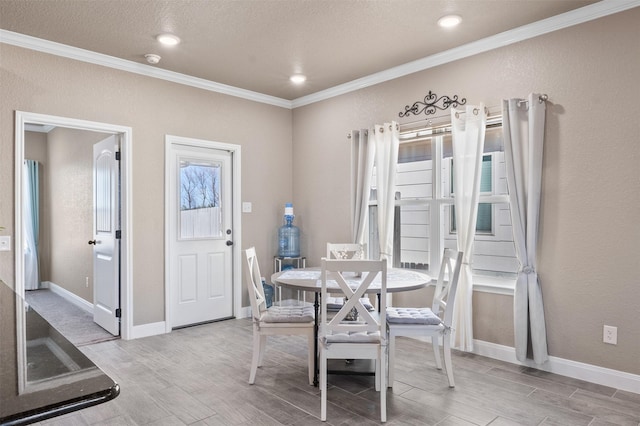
pixel 202 231
pixel 123 134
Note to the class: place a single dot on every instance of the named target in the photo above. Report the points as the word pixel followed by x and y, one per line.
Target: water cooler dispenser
pixel 288 247
pixel 288 235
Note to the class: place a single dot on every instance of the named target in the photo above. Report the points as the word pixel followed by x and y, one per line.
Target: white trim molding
pixel 564 367
pixel 147 330
pixel 59 49
pixel 126 243
pixel 535 29
pixel 68 296
pixel 245 312
pixel 554 23
pixel 236 150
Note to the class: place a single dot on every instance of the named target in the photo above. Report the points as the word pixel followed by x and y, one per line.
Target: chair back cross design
pixel 446 287
pixel 353 291
pixel 364 338
pixel 254 284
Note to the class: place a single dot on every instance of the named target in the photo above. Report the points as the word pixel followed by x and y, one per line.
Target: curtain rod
pixel 492 121
pixel 445 119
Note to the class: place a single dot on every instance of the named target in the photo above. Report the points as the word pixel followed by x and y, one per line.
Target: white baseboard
pixel 67 295
pixel 564 367
pixel 146 330
pixel 155 328
pixel 245 312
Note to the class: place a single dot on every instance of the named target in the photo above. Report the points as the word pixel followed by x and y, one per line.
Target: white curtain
pixel 468 132
pixel 30 224
pixel 362 159
pixel 523 127
pixel 387 141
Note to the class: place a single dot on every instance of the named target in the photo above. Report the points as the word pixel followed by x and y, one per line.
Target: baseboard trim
pixel 245 312
pixel 67 295
pixel 155 328
pixel 564 367
pixel 147 330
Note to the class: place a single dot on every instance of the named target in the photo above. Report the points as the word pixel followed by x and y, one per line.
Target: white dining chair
pixel 276 320
pixel 345 251
pixel 434 322
pixel 364 338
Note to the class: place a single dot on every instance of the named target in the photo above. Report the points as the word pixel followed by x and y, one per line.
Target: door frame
pixel 126 243
pixel 236 151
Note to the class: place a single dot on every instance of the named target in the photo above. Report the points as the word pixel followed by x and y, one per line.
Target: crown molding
pixel 554 23
pixel 58 49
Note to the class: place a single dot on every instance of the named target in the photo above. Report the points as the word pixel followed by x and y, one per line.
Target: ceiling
pixel 256 45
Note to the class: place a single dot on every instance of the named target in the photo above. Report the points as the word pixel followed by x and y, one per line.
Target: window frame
pixel 448 224
pixel 436 202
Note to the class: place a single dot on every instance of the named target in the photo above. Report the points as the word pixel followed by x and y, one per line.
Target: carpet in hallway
pixel 73 322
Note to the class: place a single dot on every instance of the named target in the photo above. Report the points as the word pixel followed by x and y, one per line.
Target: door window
pixel 200 209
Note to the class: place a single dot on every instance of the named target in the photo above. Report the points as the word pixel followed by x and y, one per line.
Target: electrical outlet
pixel 610 335
pixel 86 282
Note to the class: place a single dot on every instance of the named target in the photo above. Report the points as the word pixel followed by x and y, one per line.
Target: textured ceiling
pixel 256 45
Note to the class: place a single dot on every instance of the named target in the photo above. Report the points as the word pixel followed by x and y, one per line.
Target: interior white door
pixel 200 233
pixel 106 247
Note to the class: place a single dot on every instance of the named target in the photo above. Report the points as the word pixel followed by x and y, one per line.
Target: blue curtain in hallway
pixel 31 221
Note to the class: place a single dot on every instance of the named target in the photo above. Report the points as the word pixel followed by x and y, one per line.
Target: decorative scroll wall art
pixel 431 104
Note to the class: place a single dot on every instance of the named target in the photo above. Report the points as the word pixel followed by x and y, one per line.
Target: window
pixel 200 214
pixel 425 215
pixel 484 224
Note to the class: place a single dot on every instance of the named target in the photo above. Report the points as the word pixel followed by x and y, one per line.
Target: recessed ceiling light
pixel 168 39
pixel 298 78
pixel 449 21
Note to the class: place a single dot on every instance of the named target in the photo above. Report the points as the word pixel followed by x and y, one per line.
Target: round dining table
pixel 308 279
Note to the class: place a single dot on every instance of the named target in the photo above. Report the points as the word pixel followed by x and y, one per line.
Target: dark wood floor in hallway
pixel 199 376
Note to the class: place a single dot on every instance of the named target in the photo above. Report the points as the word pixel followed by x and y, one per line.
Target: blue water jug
pixel 288 235
pixel 268 293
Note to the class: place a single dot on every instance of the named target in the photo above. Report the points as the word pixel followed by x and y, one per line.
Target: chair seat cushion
pixel 424 316
pixel 336 303
pixel 302 313
pixel 353 337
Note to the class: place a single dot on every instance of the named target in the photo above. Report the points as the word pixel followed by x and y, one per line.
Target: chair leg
pixel 263 345
pixel 447 360
pixel 392 358
pixel 255 360
pixel 310 357
pixel 435 344
pixel 383 385
pixel 323 386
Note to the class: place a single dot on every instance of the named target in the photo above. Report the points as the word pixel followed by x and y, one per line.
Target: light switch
pixel 5 243
pixel 246 207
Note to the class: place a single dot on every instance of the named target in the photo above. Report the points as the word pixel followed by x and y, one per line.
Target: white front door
pixel 106 247
pixel 200 234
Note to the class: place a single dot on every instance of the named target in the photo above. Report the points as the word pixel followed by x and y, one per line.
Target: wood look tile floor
pixel 199 376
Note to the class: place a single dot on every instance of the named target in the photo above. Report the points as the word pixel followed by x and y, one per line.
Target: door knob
pixel 229 243
pixel 92 242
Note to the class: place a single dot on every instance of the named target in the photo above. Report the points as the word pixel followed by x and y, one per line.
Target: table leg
pixel 316 306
